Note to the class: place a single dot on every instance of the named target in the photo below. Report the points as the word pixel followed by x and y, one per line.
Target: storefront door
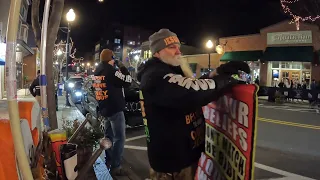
pixel 293 75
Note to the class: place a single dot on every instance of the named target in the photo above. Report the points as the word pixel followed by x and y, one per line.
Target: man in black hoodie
pixel 171 105
pixel 109 84
pixel 35 88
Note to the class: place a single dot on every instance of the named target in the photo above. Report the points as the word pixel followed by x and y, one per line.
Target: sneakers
pixel 119 171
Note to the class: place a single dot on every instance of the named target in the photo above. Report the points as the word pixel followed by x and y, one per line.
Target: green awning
pixel 293 53
pixel 242 56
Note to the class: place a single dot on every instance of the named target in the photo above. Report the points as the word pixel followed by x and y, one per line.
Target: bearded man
pixel 171 103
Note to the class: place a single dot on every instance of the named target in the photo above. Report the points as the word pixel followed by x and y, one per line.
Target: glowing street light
pixel 100 0
pixel 71 16
pixel 59 52
pixel 209 44
pixel 96 64
pixel 136 57
pixel 88 64
pixel 82 64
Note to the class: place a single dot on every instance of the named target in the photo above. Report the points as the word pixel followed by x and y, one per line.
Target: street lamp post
pixel 209 45
pixel 70 18
pixel 89 69
pixel 59 53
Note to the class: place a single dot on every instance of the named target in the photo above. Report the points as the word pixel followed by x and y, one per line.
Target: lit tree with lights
pixel 301 10
pixel 60 58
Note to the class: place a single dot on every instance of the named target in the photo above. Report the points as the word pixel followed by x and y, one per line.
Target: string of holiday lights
pixel 296 18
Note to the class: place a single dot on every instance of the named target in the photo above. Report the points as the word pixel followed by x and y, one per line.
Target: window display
pixel 297 72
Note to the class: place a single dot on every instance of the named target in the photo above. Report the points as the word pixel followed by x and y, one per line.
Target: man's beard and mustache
pixel 178 61
pixel 171 60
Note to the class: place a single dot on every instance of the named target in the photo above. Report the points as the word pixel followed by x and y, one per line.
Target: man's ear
pixel 156 55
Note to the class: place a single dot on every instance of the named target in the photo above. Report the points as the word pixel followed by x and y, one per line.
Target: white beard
pixel 176 61
pixel 186 69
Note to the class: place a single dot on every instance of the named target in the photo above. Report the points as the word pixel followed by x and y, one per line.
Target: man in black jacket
pixel 171 105
pixel 35 87
pixel 109 84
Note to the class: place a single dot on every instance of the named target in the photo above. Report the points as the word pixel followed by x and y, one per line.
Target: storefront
pixel 22 51
pixel 251 57
pixel 278 52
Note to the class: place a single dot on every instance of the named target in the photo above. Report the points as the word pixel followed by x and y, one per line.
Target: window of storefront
pixel 298 72
pixel 255 70
pixel 147 54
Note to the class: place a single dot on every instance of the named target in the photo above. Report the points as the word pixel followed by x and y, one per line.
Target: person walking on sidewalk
pixel 35 88
pixel 171 104
pixel 109 84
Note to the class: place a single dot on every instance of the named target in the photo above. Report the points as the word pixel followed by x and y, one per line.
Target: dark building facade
pixel 122 40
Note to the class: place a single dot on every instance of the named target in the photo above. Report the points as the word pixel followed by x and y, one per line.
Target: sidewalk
pixel 66 113
pixel 72 113
pixel 100 169
pixel 295 103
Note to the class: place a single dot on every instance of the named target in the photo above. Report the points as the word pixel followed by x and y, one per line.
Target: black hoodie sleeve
pixel 176 91
pixel 33 85
pixel 120 78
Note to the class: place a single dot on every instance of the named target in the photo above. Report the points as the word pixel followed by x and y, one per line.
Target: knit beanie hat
pixel 161 39
pixel 106 55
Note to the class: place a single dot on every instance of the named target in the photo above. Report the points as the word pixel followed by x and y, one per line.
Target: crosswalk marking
pixel 287 108
pixel 135 138
pixel 287 175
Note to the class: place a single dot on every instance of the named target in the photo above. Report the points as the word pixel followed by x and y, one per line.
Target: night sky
pixel 193 21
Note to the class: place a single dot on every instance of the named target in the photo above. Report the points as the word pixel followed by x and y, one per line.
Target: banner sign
pixel 230 136
pixel 292 37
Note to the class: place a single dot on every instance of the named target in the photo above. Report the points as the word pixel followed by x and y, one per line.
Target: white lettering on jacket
pixel 197 84
pixel 125 78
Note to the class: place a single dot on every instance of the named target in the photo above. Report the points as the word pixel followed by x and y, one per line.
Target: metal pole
pixel 209 65
pixel 11 87
pixel 67 67
pixel 105 144
pixel 43 77
pixel 82 125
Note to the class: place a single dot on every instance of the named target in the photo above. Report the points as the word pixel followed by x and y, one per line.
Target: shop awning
pixel 24 48
pixel 242 56
pixel 293 53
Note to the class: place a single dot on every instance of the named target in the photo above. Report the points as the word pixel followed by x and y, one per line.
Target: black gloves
pixel 118 63
pixel 233 67
pixel 224 82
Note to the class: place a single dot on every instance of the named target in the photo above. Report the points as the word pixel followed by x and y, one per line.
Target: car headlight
pixel 78 93
pixel 71 85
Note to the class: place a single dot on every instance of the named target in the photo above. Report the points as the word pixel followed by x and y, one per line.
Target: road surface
pixel 288 144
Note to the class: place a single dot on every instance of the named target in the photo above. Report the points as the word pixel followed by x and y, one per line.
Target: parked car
pixel 76 92
pixel 132 110
pixel 70 83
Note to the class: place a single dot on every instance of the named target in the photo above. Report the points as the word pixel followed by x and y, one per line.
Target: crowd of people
pixel 295 84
